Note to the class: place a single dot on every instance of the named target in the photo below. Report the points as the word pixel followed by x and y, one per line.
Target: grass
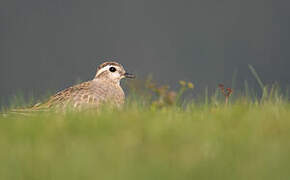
pixel 156 135
pixel 244 140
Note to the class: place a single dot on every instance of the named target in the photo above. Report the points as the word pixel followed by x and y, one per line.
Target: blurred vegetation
pixel 160 133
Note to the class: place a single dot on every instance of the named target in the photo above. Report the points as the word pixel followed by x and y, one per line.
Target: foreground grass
pixel 241 141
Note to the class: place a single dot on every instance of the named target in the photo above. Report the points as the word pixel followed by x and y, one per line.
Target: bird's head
pixel 112 71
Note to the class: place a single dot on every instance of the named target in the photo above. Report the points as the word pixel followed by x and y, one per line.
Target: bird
pixel 104 88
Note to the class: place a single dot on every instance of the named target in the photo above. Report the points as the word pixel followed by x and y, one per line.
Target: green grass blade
pixel 247 91
pixel 255 74
pixel 206 96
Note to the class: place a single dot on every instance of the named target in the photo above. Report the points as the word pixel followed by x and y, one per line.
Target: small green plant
pixel 166 97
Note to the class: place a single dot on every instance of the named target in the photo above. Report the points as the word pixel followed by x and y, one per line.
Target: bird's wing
pixel 65 96
pixel 75 96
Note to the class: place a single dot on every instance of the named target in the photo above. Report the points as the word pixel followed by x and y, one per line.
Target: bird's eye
pixel 112 69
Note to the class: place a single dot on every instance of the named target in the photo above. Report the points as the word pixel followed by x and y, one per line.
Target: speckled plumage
pixel 104 88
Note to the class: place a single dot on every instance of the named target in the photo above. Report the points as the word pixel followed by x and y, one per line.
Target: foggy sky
pixel 48 44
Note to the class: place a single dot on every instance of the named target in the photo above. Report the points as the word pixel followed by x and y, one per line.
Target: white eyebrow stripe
pixel 104 69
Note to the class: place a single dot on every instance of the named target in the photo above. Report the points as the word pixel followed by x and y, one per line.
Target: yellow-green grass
pixel 243 140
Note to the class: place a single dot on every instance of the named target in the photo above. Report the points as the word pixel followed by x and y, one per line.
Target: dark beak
pixel 128 75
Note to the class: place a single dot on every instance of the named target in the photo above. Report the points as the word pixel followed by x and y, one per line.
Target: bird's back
pixel 87 94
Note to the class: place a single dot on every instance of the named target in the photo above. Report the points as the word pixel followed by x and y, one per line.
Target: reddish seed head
pixel 229 90
pixel 221 86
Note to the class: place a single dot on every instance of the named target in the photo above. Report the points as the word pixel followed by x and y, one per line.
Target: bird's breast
pixel 109 93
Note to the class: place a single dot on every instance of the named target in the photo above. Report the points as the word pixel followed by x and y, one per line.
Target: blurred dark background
pixel 48 44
